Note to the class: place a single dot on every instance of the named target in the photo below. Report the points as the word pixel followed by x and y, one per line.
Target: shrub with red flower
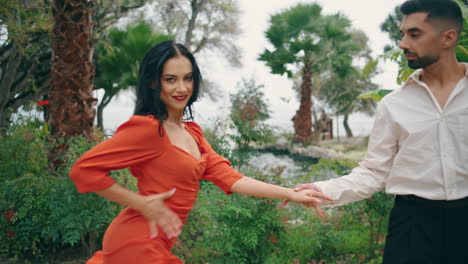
pixel 9 217
pixel 249 110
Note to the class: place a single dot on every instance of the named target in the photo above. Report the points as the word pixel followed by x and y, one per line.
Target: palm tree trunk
pixel 349 133
pixel 100 119
pixel 72 74
pixel 106 98
pixel 302 119
pixel 6 82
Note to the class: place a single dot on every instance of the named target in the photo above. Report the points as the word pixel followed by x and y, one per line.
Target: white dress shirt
pixel 415 147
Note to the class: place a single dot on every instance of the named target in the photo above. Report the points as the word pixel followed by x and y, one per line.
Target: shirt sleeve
pixel 135 141
pixel 370 176
pixel 218 169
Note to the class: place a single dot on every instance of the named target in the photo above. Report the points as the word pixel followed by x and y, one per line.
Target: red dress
pixel 158 166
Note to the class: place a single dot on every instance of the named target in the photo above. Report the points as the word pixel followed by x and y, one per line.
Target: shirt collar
pixel 414 77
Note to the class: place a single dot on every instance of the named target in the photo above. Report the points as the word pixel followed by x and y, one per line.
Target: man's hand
pixel 315 192
pixel 307 186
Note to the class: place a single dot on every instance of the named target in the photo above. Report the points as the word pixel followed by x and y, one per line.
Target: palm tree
pixel 72 74
pixel 118 60
pixel 25 48
pixel 345 81
pixel 304 40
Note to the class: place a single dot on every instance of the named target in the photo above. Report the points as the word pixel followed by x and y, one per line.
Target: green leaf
pixel 462 53
pixel 376 95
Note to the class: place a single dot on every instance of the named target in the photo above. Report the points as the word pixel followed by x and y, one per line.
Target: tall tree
pixel 341 95
pixel 304 41
pixel 204 26
pixel 201 24
pixel 24 54
pixel 117 64
pixel 345 81
pixel 72 74
pixel 391 26
pixel 25 47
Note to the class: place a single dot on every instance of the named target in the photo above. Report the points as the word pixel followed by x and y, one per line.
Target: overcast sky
pixel 366 15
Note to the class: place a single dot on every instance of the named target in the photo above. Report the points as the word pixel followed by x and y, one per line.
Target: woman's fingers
pixel 165 195
pixel 153 229
pixel 319 210
pixel 284 203
pixel 158 214
pixel 169 223
pixel 170 229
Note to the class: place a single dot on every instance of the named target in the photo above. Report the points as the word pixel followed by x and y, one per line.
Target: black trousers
pixel 424 231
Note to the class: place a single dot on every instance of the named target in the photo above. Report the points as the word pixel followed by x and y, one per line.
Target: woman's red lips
pixel 180 98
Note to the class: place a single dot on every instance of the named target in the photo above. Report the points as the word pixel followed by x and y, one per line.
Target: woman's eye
pixel 190 78
pixel 169 79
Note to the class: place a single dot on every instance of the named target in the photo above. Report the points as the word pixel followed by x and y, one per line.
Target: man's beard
pixel 422 62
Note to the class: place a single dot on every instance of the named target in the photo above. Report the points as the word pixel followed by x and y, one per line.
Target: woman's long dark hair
pixel 148 91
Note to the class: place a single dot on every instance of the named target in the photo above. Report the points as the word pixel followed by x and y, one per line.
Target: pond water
pixel 295 165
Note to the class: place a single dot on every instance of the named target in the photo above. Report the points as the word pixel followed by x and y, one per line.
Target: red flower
pixel 43 102
pixel 273 239
pixel 9 215
pixel 10 233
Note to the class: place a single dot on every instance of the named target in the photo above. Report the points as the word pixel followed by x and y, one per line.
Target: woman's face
pixel 176 84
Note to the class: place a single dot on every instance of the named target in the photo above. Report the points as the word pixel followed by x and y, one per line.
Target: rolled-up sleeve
pixel 370 176
pixel 220 172
pixel 218 169
pixel 134 142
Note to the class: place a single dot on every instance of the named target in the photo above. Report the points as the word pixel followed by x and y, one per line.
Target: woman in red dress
pixel 169 157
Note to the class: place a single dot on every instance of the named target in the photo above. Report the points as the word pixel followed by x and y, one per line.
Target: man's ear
pixel 450 38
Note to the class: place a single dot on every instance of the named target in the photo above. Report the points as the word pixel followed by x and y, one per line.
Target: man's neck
pixel 443 73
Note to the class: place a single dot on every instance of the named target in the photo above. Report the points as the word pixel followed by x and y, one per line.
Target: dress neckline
pixel 187 128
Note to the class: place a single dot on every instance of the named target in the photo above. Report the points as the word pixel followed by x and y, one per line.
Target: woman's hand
pixel 309 197
pixel 157 213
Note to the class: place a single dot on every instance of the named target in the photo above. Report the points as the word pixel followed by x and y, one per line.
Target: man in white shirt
pixel 418 148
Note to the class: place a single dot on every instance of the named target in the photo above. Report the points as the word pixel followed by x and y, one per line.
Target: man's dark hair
pixel 444 10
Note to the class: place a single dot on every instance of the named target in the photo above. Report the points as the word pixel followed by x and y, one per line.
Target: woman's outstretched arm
pixel 252 187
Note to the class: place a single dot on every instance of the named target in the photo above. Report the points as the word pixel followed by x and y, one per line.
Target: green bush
pixel 24 150
pixel 307 238
pixel 26 199
pixel 230 229
pixel 363 224
pixel 44 215
pixel 248 113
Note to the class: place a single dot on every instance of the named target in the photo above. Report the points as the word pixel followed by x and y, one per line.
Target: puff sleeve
pixel 218 169
pixel 135 141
